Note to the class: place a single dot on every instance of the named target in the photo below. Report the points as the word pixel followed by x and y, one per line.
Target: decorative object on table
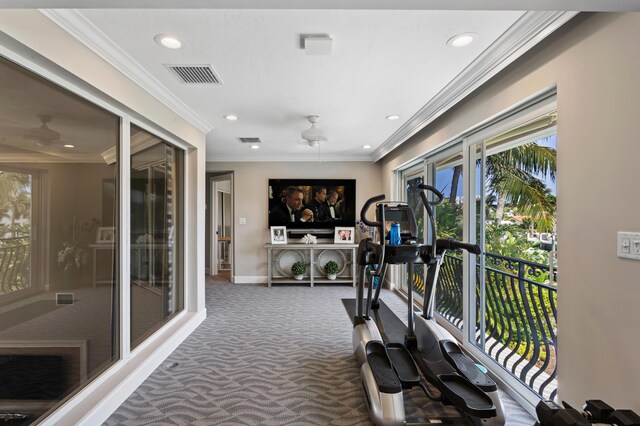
pixel 278 235
pixel 309 239
pixel 298 269
pixel 331 268
pixel 144 239
pixel 344 235
pixel 106 234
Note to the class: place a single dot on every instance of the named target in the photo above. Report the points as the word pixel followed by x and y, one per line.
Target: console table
pixel 280 257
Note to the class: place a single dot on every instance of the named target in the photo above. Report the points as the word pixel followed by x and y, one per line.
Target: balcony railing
pixel 520 316
pixel 14 264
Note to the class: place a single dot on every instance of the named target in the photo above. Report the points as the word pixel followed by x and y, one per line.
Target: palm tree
pixel 512 178
pixel 15 197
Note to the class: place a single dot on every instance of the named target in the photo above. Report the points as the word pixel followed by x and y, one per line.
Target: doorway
pixel 220 235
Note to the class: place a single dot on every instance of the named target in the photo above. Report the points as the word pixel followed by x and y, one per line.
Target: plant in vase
pixel 331 268
pixel 72 256
pixel 298 270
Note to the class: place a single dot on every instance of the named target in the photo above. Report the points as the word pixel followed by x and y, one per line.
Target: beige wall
pixel 250 201
pixel 595 63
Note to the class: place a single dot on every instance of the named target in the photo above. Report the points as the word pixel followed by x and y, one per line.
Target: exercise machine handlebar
pixel 363 212
pixel 451 244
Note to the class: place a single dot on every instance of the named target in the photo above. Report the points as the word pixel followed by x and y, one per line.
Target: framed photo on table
pixel 344 235
pixel 278 235
pixel 106 234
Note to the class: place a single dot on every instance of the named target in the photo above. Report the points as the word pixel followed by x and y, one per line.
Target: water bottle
pixel 394 234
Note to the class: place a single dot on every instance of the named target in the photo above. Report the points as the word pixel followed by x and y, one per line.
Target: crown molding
pixel 329 158
pixel 525 33
pixel 76 24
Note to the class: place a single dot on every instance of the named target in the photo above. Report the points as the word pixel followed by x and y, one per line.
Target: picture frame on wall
pixel 344 235
pixel 106 234
pixel 278 235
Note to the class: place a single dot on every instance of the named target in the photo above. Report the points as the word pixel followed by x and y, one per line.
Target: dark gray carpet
pixel 263 356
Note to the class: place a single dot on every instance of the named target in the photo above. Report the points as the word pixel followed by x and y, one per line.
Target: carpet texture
pixel 263 356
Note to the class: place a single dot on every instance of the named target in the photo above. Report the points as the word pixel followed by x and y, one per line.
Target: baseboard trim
pixel 247 279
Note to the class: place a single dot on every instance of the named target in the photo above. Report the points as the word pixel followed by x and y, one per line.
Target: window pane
pixel 516 281
pixel 156 233
pixel 449 299
pixel 415 202
pixel 58 290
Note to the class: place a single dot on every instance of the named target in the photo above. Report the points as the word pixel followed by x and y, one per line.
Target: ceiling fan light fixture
pixel 42 134
pixel 313 135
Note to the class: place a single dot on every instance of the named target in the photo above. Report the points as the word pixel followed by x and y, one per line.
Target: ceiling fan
pixel 42 135
pixel 313 136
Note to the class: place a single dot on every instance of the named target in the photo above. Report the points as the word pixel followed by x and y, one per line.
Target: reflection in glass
pixel 58 289
pixel 415 202
pixel 156 233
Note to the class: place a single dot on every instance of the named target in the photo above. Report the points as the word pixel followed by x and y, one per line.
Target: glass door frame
pixel 472 144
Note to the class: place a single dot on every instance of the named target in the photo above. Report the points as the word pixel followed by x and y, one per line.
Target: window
pixel 156 233
pixel 501 304
pixel 59 290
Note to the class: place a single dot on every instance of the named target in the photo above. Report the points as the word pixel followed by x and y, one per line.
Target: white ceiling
pixel 383 62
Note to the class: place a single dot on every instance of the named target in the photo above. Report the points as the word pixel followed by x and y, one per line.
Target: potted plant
pixel 298 270
pixel 331 268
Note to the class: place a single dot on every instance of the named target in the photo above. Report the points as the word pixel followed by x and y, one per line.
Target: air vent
pixel 250 140
pixel 194 74
pixel 64 299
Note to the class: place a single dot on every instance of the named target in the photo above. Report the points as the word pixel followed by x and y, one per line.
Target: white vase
pixel 298 277
pixel 331 276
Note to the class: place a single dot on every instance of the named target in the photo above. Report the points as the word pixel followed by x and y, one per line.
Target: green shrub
pixel 331 267
pixel 298 268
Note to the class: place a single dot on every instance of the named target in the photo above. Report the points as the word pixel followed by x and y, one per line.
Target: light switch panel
pixel 629 245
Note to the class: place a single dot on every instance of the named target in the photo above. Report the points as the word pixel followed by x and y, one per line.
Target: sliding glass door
pixel 501 304
pixel 514 174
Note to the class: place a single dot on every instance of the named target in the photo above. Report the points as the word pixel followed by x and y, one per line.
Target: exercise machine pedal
pixel 466 366
pixel 466 396
pixel 403 365
pixel 381 368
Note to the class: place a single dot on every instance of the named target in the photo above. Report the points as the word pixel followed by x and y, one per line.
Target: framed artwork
pixel 344 235
pixel 106 234
pixel 278 235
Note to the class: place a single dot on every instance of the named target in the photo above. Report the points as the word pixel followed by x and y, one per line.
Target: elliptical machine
pixel 388 368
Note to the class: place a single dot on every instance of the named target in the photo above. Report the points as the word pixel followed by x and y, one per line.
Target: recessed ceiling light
pixel 461 40
pixel 230 117
pixel 168 41
pixel 255 146
pixel 366 146
pixel 68 145
pixel 392 117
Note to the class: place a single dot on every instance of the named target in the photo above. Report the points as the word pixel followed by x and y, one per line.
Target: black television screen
pixel 337 210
